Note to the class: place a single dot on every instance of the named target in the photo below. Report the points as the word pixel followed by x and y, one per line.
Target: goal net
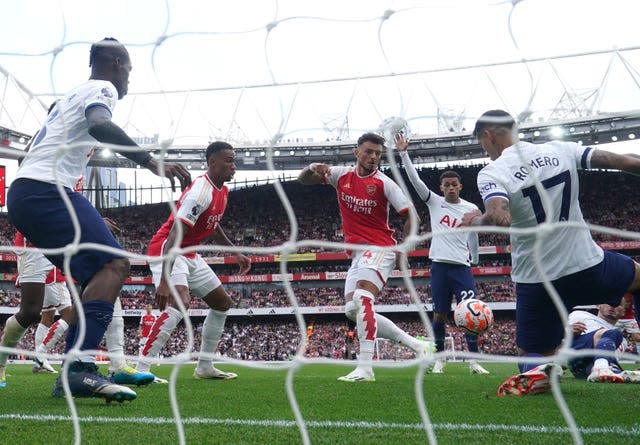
pixel 283 81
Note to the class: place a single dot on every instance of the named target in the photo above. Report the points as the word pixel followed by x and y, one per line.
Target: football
pixel 391 126
pixel 473 316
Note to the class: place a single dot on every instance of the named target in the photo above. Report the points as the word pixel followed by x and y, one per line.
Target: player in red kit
pixel 364 198
pixel 628 322
pixel 198 215
pixel 146 323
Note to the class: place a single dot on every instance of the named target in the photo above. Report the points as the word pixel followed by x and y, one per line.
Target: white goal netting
pixel 275 74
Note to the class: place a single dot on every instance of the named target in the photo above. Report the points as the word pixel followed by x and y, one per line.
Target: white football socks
pixel 52 336
pixel 114 338
pixel 211 333
pixel 366 326
pixel 11 335
pixel 160 333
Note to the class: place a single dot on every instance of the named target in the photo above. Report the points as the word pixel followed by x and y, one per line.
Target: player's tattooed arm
pixel 629 163
pixel 498 213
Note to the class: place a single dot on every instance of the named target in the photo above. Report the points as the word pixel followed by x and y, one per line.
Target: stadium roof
pixel 426 149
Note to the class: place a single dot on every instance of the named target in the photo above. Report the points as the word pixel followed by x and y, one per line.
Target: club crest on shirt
pixel 371 189
pixel 195 210
pixel 106 92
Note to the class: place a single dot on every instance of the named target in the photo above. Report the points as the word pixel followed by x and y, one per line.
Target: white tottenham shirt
pixel 447 245
pixel 63 146
pixel 565 248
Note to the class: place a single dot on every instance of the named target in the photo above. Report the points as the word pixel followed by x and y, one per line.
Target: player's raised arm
pixel 103 129
pixel 315 173
pixel 402 144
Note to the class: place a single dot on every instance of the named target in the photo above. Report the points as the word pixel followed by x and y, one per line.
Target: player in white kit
pixel 59 155
pixel 364 197
pixel 599 332
pixel 451 251
pixel 530 186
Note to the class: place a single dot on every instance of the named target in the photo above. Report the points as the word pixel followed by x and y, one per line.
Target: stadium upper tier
pixel 296 153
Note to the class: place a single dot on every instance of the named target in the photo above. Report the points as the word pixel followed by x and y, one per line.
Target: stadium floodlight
pixel 276 153
pixel 536 133
pixel 291 152
pixel 556 131
pixel 106 153
pixel 632 136
pixel 614 138
pixel 247 154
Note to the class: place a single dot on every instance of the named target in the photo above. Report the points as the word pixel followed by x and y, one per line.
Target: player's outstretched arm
pixel 104 130
pixel 171 171
pixel 315 173
pixel 614 161
pixel 402 144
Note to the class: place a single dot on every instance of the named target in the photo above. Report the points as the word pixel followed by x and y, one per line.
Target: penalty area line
pixel 625 431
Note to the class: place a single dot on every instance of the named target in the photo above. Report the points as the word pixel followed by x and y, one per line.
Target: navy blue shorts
pixel 447 280
pixel 581 367
pixel 36 209
pixel 539 327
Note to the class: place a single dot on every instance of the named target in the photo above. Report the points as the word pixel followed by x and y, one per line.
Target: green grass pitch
pixel 254 409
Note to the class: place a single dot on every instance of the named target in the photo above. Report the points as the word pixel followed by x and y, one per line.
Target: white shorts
pixel 373 266
pixel 194 273
pixel 56 297
pixel 33 267
pixel 629 325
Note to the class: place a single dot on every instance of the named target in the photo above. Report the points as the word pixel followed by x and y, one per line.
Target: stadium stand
pixel 256 218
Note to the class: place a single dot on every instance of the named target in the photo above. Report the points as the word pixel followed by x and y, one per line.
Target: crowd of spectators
pixel 489 291
pixel 280 340
pixel 256 216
